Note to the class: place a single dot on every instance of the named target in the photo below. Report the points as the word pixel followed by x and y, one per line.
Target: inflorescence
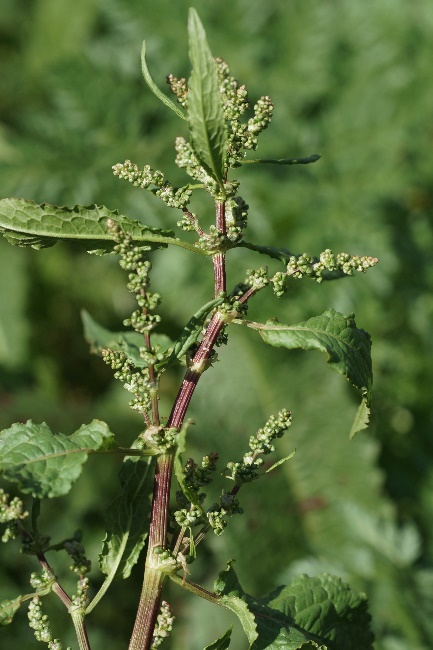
pixel 261 444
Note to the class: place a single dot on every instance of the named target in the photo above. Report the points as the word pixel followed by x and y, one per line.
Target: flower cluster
pixel 260 444
pixel 179 88
pixel 81 599
pixel 195 477
pixel 135 381
pixel 236 218
pixel 228 506
pixel 241 135
pixel 164 625
pixel 11 513
pixel 147 177
pixel 80 564
pixel 187 159
pixel 258 278
pixel 40 624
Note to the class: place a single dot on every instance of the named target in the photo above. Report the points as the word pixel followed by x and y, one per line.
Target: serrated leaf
pixel 205 112
pixel 222 643
pixel 25 223
pixel 348 349
pixel 8 609
pixel 127 519
pixel 321 612
pixel 284 161
pixel 129 342
pixel 154 88
pixel 46 464
pixel 329 609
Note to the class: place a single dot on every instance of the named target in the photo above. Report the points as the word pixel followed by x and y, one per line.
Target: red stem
pixel 154 579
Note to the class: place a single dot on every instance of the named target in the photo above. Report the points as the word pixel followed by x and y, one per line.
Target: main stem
pixel 154 578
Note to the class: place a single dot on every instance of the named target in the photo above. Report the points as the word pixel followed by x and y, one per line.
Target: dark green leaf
pixel 329 609
pixel 222 643
pixel 285 161
pixel 8 609
pixel 26 223
pixel 127 519
pixel 45 464
pixel 205 112
pixel 154 88
pixel 348 349
pixel 129 342
pixel 321 612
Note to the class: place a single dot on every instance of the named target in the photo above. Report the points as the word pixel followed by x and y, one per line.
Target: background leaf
pixel 127 519
pixel 127 341
pixel 205 113
pixel 222 643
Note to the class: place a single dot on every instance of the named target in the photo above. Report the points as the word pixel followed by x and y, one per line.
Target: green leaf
pixel 205 112
pixel 191 332
pixel 222 643
pixel 321 612
pixel 45 464
pixel 329 609
pixel 285 161
pixel 8 609
pixel 129 342
pixel 280 462
pixel 25 223
pixel 348 349
pixel 154 88
pixel 127 519
pixel 232 597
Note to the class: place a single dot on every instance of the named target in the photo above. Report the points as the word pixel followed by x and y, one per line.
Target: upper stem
pixel 154 578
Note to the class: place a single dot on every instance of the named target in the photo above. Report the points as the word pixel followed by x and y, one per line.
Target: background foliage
pixel 351 81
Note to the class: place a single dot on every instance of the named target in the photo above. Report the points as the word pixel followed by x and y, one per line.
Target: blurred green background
pixel 351 81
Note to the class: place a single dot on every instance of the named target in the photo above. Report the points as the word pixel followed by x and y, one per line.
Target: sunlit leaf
pixel 205 113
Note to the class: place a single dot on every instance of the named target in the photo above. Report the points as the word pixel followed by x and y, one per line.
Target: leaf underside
pixel 348 349
pixel 127 518
pixel 26 223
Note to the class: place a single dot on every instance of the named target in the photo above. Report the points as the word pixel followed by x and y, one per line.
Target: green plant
pixel 319 612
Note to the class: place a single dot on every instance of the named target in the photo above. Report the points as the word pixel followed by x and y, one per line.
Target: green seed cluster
pixel 12 513
pixel 179 88
pixel 305 265
pixel 40 624
pixel 261 444
pixel 227 507
pixel 80 564
pixel 186 159
pixel 81 599
pixel 147 177
pixel 236 218
pixel 241 135
pixel 234 97
pixel 135 381
pixel 42 582
pixel 164 625
pixel 258 278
